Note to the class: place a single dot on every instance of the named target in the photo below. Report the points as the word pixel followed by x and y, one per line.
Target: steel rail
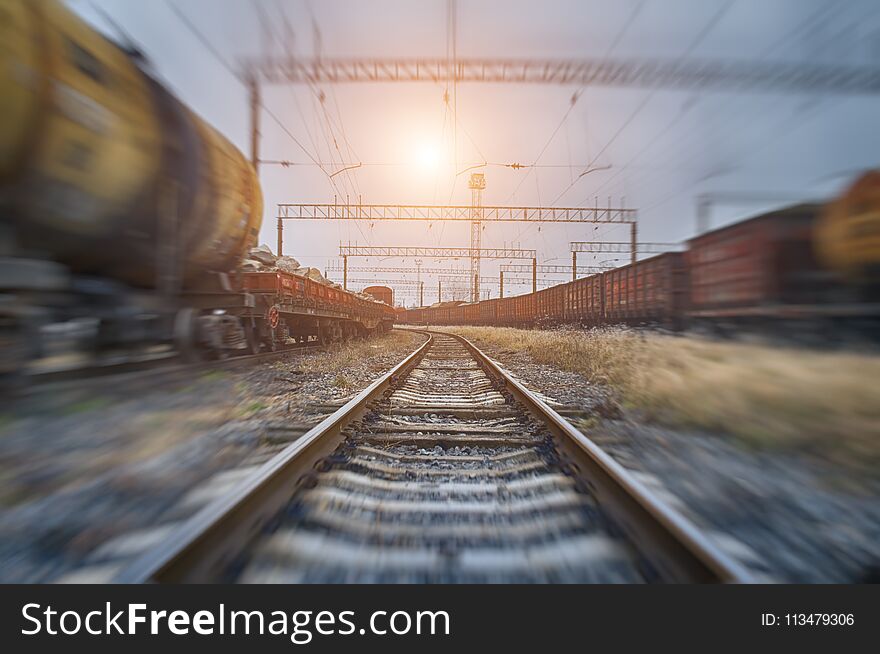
pixel 143 371
pixel 677 548
pixel 204 547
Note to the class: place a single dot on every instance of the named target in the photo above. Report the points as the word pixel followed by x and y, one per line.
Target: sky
pixel 654 150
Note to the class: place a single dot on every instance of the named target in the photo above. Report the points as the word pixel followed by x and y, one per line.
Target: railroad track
pixel 446 469
pixel 141 372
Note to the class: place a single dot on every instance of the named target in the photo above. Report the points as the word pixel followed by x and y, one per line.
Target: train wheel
pixel 251 337
pixel 186 335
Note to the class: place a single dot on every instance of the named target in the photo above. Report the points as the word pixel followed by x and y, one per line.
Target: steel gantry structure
pixel 622 246
pixel 346 251
pixel 680 74
pixel 432 253
pixel 437 213
pixel 574 270
pixel 477 184
pixel 618 247
pixel 476 214
pixel 404 270
pixel 688 74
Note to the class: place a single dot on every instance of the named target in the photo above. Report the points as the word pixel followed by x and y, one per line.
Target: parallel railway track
pixel 446 469
pixel 141 371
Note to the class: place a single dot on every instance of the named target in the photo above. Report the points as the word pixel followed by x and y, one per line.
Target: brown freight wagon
pixel 524 309
pixel 584 301
pixel 381 293
pixel 549 305
pixel 763 269
pixel 468 314
pixel 489 311
pixel 504 311
pixel 649 292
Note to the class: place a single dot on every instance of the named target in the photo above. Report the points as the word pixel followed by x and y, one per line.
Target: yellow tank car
pixel 79 138
pixel 848 234
pixel 101 168
pixel 228 202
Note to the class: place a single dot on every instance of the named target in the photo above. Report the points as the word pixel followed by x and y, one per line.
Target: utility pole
pixel 345 272
pixel 280 251
pixel 574 266
pixel 501 286
pixel 419 282
pixel 477 183
pixel 253 84
pixel 439 290
pixel 535 275
pixel 634 241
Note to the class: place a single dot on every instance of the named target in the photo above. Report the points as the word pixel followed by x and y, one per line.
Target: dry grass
pixel 828 402
pixel 352 354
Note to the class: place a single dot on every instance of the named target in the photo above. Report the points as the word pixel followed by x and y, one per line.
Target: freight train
pixel 809 270
pixel 124 216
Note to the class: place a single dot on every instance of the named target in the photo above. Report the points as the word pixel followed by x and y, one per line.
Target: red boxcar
pixel 504 311
pixel 652 291
pixel 381 293
pixel 489 311
pixel 584 301
pixel 549 303
pixel 523 309
pixel 763 266
pixel 469 314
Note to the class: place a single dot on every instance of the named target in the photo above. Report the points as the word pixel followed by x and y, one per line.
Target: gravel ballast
pixel 90 480
pixel 789 516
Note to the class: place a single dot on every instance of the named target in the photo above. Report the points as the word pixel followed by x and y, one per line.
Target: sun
pixel 428 156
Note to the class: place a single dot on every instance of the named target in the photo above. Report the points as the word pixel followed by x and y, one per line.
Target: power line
pixel 818 17
pixel 219 57
pixel 713 21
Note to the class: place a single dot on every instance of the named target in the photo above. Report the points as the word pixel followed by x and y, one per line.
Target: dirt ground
pixel 79 470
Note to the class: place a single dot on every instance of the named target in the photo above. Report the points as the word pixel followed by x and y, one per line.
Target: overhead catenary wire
pixel 695 43
pixel 817 17
pixel 637 8
pixel 220 59
pixel 776 130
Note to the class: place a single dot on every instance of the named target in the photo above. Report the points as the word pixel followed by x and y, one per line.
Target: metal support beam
pixel 421 294
pixel 253 85
pixel 534 275
pixel 280 251
pixel 336 267
pixel 433 253
pixel 574 266
pixel 436 213
pixel 345 273
pixel 688 74
pixel 553 270
pixel 634 241
pixel 501 285
pixel 477 184
pixel 623 247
